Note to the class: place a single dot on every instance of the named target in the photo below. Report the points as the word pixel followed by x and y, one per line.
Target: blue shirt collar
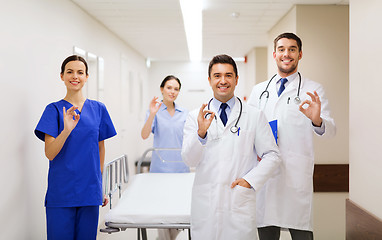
pixel 290 77
pixel 216 103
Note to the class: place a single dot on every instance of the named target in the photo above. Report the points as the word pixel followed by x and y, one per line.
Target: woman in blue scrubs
pixel 166 121
pixel 74 130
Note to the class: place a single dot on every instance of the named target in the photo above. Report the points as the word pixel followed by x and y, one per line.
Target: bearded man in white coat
pixel 301 109
pixel 221 143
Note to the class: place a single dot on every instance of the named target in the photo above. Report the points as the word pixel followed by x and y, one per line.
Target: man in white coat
pixel 301 109
pixel 221 142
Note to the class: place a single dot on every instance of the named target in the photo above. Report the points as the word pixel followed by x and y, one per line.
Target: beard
pixel 288 71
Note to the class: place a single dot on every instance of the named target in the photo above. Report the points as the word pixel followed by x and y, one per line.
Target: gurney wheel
pixel 109 230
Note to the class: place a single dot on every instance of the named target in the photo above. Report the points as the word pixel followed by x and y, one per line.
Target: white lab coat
pixel 286 199
pixel 217 211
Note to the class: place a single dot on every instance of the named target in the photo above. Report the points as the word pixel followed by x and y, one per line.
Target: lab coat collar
pixel 235 113
pixel 291 78
pixel 234 104
pixel 293 82
pixel 215 104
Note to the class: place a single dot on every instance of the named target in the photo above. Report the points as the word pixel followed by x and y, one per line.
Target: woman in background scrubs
pixel 74 130
pixel 166 121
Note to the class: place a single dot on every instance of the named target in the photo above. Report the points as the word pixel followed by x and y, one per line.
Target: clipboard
pixel 273 125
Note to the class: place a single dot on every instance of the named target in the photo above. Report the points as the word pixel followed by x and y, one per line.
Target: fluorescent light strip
pixel 192 18
pixel 239 59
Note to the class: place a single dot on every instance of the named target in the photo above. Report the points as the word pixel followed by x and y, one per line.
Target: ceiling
pixel 155 29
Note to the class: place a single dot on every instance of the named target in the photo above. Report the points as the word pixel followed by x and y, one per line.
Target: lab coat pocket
pixel 243 203
pixel 299 172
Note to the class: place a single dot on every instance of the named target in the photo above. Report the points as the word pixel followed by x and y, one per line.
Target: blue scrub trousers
pixel 77 223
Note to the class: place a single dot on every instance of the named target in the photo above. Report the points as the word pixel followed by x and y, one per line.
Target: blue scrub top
pixel 74 177
pixel 168 133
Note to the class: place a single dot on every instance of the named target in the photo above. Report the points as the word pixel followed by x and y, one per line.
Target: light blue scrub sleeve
pixel 154 121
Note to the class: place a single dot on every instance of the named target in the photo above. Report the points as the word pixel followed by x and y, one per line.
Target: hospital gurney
pixel 152 200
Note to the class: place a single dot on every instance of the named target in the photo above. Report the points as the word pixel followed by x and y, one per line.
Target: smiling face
pixel 287 54
pixel 74 75
pixel 170 90
pixel 223 81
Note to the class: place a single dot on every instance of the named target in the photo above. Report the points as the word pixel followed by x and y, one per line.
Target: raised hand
pixel 54 145
pixel 204 122
pixel 313 110
pixel 154 105
pixel 71 118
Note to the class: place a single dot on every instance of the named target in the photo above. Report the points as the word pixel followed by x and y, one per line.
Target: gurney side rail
pixel 115 174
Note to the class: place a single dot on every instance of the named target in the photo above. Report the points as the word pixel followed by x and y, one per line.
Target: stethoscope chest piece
pixel 297 100
pixel 234 129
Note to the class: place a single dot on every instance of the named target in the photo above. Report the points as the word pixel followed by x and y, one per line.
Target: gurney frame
pixel 115 174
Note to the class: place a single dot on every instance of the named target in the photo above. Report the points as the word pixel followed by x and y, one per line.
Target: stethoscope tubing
pixel 235 128
pixel 265 93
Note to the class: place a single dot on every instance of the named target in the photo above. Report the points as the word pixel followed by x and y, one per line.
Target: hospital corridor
pixel 216 119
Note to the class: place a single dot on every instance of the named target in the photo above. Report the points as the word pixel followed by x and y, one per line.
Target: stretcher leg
pixel 143 232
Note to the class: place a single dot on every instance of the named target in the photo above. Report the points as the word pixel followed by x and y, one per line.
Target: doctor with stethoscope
pixel 301 110
pixel 220 140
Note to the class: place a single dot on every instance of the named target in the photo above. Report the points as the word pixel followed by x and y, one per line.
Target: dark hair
pixel 224 59
pixel 289 36
pixel 73 58
pixel 168 78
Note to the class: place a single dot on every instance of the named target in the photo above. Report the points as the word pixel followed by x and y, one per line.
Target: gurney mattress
pixel 154 198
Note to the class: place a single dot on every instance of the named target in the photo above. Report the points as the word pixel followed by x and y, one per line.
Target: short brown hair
pixel 289 36
pixel 224 59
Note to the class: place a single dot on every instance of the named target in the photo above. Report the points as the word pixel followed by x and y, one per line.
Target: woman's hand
pixel 71 118
pixel 154 105
pixel 153 108
pixel 105 201
pixel 54 145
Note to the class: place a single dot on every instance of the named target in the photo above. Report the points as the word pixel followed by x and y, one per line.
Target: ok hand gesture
pixel 313 111
pixel 71 118
pixel 204 122
pixel 154 105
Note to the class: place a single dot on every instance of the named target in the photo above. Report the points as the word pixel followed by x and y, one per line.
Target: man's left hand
pixel 241 182
pixel 313 110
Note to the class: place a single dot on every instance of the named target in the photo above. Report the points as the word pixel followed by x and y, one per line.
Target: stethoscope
pixel 233 129
pixel 265 93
